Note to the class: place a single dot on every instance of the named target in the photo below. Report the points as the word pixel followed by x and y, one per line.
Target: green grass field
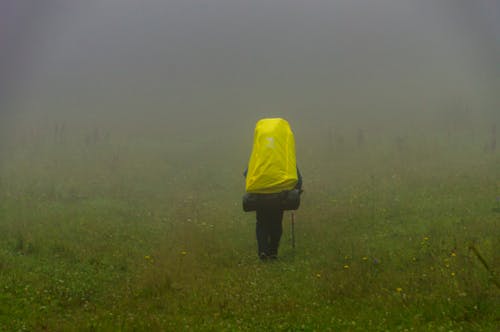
pixel 150 235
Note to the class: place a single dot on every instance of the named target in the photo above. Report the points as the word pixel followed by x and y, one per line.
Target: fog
pixel 125 127
pixel 151 62
pixel 192 76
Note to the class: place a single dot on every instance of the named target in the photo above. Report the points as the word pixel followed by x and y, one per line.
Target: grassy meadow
pixel 101 232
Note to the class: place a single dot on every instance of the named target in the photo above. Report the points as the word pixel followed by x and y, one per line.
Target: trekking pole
pixel 293 230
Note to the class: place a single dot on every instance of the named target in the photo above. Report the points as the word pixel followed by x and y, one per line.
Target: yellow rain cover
pixel 272 166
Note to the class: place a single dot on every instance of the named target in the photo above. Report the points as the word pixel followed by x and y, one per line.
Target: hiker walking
pixel 273 182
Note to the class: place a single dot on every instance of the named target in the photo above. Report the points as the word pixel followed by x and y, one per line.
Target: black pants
pixel 268 230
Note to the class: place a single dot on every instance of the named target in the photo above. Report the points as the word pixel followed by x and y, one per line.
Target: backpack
pixel 272 167
pixel 272 170
pixel 285 200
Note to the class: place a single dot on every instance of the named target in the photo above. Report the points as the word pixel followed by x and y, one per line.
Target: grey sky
pixel 225 56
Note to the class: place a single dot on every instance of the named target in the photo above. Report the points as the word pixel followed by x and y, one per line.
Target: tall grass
pixel 148 234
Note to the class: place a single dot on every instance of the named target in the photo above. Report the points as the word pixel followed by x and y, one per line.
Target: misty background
pixel 204 72
pixel 125 127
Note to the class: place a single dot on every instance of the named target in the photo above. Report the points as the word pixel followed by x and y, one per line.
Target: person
pixel 272 156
